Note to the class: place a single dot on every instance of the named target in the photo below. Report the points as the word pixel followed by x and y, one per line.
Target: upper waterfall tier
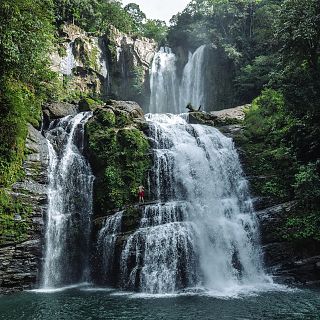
pixel 70 204
pixel 169 94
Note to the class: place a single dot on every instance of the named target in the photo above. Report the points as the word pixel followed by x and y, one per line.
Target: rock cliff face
pixel 19 262
pixel 291 261
pixel 112 65
pixel 130 62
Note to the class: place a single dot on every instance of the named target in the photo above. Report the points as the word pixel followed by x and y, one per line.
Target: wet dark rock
pixel 291 261
pixel 232 130
pixel 19 262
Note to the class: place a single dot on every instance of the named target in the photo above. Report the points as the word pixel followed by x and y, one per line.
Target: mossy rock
pixel 15 223
pixel 88 104
pixel 119 155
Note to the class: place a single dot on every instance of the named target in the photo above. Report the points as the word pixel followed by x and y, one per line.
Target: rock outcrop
pixel 129 66
pixel 291 261
pixel 20 262
pixel 111 65
pixel 119 153
pixel 231 114
pixel 57 110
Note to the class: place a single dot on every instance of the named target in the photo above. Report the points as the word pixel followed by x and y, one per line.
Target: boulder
pixel 57 110
pixel 237 113
pixel 197 117
pixel 129 107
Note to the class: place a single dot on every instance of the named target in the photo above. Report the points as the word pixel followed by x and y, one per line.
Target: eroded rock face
pixel 20 262
pixel 112 65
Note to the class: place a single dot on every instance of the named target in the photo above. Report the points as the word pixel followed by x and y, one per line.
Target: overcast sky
pixel 160 9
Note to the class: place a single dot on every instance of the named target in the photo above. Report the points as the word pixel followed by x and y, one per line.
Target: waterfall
pixel 168 93
pixel 192 87
pixel 70 204
pixel 163 83
pixel 104 69
pixel 106 243
pixel 203 231
pixel 102 59
pixel 68 62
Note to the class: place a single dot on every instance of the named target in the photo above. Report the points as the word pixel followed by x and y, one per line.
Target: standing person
pixel 141 194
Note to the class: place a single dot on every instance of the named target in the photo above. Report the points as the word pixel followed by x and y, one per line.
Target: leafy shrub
pixel 307 185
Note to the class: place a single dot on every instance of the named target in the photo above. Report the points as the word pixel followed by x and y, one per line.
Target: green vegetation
pixel 271 48
pixel 11 228
pixel 119 155
pixel 97 17
pixel 26 34
pixel 242 32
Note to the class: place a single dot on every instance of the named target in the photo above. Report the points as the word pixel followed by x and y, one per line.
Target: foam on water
pixel 203 233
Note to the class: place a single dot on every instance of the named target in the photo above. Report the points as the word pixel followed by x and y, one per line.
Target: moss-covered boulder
pixel 119 154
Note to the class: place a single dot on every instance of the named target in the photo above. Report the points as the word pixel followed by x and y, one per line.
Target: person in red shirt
pixel 141 194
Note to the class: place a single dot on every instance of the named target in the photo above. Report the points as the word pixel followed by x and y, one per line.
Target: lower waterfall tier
pixel 200 231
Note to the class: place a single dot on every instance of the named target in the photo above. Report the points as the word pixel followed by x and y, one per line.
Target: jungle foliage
pixel 96 16
pixel 273 46
pixel 26 33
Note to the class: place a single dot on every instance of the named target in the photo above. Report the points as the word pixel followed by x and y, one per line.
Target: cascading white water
pixel 192 88
pixel 164 83
pixel 203 233
pixel 168 93
pixel 70 204
pixel 160 256
pixel 102 60
pixel 68 62
pixel 106 243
